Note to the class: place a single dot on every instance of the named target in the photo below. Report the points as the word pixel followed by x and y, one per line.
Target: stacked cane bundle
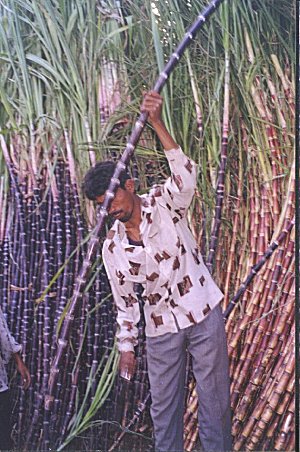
pixel 262 335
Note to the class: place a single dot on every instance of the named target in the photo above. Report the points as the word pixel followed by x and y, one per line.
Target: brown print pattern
pixel 201 280
pixel 191 317
pixel 135 268
pixel 154 298
pixel 185 285
pixel 152 277
pixel 128 325
pixel 166 255
pixel 170 194
pixel 168 206
pixel 158 257
pixel 195 256
pixel 173 304
pixel 176 263
pixel 189 166
pixel 148 216
pixel 206 309
pixel 178 181
pixel 158 192
pixel 157 319
pixel 120 277
pixel 183 250
pixel 179 212
pixel 129 301
pixel 130 249
pixel 111 246
pixel 175 220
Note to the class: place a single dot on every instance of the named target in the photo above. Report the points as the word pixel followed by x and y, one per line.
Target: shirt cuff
pixel 17 348
pixel 125 347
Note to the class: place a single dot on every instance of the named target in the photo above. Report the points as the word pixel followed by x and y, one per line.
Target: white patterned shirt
pixel 8 346
pixel 178 288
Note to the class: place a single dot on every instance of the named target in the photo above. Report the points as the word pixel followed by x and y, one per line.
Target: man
pixel 150 243
pixel 8 348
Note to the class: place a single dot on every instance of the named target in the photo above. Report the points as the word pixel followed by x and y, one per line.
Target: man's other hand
pixel 127 365
pixel 23 371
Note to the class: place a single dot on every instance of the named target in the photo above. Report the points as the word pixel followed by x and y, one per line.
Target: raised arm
pixel 178 189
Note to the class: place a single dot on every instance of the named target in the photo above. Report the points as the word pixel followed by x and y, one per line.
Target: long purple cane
pixel 114 183
pixel 255 269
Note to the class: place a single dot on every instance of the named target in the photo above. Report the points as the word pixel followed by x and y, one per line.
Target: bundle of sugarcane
pixel 43 233
pixel 41 255
pixel 261 338
pixel 39 269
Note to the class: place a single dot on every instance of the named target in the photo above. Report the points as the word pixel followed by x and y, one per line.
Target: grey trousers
pixel 166 358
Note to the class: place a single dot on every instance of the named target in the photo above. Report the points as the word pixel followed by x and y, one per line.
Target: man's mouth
pixel 116 214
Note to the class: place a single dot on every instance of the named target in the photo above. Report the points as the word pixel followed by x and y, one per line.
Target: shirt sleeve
pixel 8 345
pixel 180 187
pixel 128 311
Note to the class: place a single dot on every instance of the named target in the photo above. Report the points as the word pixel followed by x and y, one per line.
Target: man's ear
pixel 129 185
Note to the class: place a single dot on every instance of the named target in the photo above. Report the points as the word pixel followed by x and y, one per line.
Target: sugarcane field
pixel 147 225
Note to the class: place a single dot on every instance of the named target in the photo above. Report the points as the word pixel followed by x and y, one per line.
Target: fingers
pixel 26 378
pixel 152 101
pixel 25 384
pixel 152 104
pixel 152 93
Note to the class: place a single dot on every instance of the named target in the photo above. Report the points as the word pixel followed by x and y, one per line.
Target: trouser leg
pixel 166 359
pixel 5 421
pixel 208 347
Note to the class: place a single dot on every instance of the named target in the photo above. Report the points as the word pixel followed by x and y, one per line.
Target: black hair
pixel 97 179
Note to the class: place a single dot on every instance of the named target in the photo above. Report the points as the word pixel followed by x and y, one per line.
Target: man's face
pixel 122 205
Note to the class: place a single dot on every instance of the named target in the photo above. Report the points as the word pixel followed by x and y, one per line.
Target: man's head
pixel 96 182
pixel 97 179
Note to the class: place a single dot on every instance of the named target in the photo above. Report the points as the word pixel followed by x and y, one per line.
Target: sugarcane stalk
pixel 236 221
pixel 220 189
pixel 287 86
pixel 141 407
pixel 197 101
pixel 282 236
pixel 268 413
pixel 252 309
pixel 3 208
